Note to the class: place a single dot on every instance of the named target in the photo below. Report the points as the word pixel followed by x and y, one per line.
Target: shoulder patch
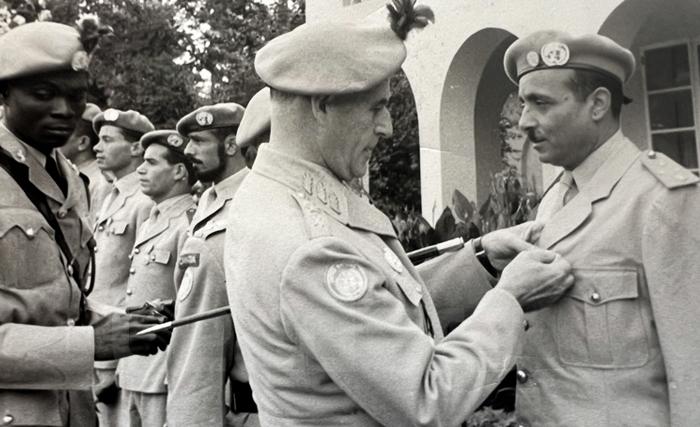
pixel 671 174
pixel 346 282
pixel 317 220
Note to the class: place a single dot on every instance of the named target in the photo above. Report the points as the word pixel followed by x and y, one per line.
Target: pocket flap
pixel 161 256
pixel 30 222
pixel 598 286
pixel 119 227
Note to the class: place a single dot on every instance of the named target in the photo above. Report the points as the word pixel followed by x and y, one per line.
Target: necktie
pixel 571 189
pixel 52 169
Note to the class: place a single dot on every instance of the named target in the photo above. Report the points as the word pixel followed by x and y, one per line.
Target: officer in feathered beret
pixel 255 125
pixel 604 342
pixel 205 359
pixel 50 334
pixel 123 210
pixel 336 325
pixel 166 176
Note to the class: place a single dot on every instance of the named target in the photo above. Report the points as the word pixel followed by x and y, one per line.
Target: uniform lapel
pixel 570 217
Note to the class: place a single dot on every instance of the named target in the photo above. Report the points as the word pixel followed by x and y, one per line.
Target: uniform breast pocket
pixel 118 227
pixel 160 256
pixel 600 322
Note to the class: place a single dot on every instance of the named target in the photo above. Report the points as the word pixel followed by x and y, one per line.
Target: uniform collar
pixel 227 188
pixel 174 204
pixel 128 184
pixel 28 149
pixel 583 173
pixel 323 189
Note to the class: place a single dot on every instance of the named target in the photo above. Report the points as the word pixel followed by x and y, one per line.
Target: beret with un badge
pixel 256 119
pixel 168 138
pixel 129 120
pixel 551 49
pixel 223 115
pixel 335 58
pixel 43 47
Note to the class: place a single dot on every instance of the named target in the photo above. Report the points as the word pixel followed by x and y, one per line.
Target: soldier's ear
pixel 180 172
pixel 136 149
pixel 230 147
pixel 319 106
pixel 600 99
pixel 84 143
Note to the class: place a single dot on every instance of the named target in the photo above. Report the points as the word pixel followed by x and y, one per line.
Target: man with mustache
pixel 50 333
pixel 335 324
pixel 124 209
pixel 205 358
pixel 618 349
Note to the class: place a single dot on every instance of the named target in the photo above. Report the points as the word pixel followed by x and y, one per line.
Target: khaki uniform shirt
pixel 621 347
pixel 335 324
pixel 203 356
pixel 115 234
pixel 153 261
pixel 42 353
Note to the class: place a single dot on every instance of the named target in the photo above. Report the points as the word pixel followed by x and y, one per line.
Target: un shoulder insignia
pixel 346 282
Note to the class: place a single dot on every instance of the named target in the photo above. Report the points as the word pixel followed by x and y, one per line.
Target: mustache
pixel 193 160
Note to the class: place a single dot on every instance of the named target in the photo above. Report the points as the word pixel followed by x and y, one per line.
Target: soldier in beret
pixel 166 176
pixel 50 333
pixel 335 324
pixel 618 349
pixel 125 208
pixel 79 150
pixel 205 359
pixel 255 125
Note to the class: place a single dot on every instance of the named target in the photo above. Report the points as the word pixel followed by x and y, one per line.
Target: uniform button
pixel 137 251
pixel 7 420
pixel 31 233
pixel 153 257
pixel 651 154
pixel 595 297
pixel 62 214
pixel 101 228
pixel 69 270
pixel 522 376
pixel 526 325
pixel 129 292
pixel 132 271
pixel 70 322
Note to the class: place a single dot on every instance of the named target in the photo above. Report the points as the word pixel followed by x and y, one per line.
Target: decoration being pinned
pixel 404 15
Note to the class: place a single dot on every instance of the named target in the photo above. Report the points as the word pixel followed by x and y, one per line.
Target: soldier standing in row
pixel 122 213
pixel 50 337
pixel 166 176
pixel 205 358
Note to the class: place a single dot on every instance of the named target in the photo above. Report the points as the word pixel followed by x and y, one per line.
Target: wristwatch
pixel 480 253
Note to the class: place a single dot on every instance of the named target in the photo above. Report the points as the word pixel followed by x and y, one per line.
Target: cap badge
pixel 555 54
pixel 204 118
pixel 393 260
pixel 346 282
pixel 175 141
pixel 533 58
pixel 111 115
pixel 80 61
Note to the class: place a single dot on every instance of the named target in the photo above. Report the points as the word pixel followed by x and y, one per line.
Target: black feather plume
pixel 404 15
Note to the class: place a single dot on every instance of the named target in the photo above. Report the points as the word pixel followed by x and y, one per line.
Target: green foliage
pixel 394 169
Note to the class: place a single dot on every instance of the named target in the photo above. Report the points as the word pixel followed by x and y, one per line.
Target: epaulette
pixel 671 174
pixel 317 221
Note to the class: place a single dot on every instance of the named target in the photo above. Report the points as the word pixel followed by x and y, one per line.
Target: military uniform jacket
pixel 335 324
pixel 42 353
pixel 622 347
pixel 153 262
pixel 115 234
pixel 203 356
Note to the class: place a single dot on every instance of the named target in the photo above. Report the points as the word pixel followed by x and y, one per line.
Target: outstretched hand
pixel 503 245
